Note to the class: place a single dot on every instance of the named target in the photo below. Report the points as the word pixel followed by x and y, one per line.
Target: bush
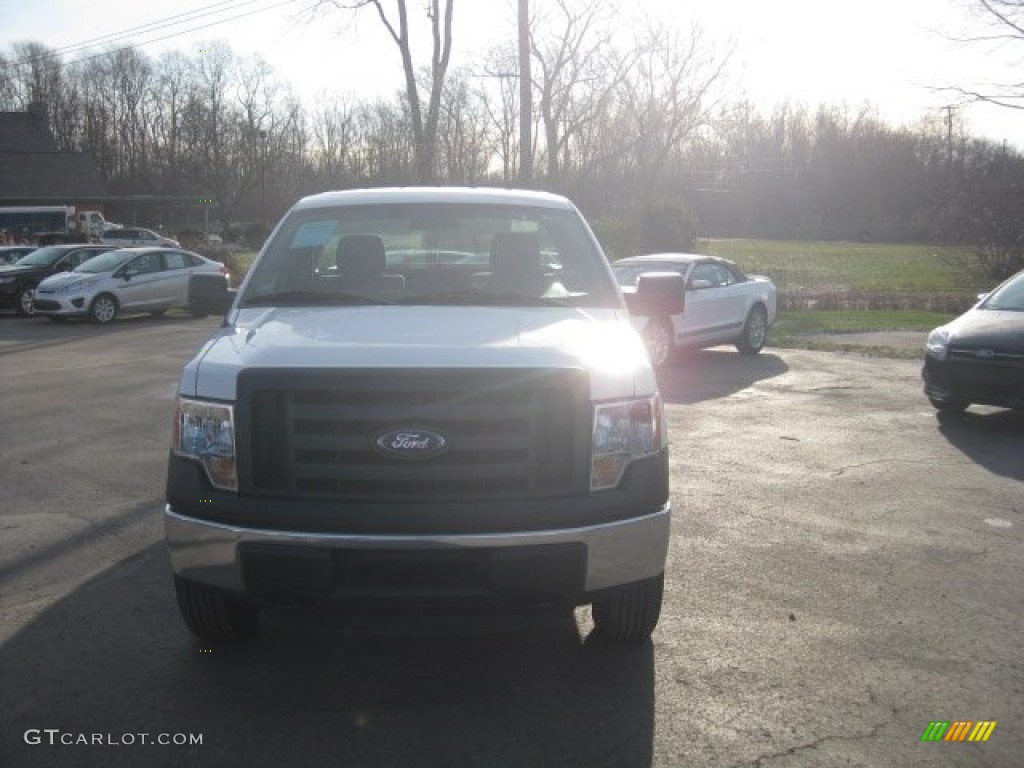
pixel 669 226
pixel 615 236
pixel 191 239
pixel 254 235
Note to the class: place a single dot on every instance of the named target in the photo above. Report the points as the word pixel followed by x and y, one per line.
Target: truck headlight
pixel 206 432
pixel 623 431
pixel 938 343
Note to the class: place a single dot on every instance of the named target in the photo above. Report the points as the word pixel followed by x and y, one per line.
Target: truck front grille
pixel 508 433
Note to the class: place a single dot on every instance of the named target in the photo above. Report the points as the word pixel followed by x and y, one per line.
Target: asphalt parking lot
pixel 845 569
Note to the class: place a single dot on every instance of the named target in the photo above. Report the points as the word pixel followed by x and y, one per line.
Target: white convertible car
pixel 722 305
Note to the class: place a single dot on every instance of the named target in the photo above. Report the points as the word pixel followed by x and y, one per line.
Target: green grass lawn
pixel 861 267
pixel 795 323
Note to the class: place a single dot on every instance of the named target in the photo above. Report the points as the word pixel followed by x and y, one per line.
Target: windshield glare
pixel 433 253
pixel 105 262
pixel 41 257
pixel 1009 296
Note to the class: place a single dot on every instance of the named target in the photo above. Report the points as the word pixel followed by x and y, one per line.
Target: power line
pixel 155 26
pixel 152 26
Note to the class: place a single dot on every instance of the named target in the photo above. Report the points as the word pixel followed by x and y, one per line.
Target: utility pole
pixel 525 98
pixel 951 175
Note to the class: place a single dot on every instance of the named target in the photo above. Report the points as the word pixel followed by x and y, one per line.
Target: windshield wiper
pixel 313 299
pixel 486 299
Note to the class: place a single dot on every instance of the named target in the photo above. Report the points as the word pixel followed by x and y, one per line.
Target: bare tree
pixel 501 100
pixel 464 146
pixel 577 72
pixel 1004 20
pixel 396 22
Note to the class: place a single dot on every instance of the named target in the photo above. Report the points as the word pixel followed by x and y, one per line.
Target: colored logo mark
pixel 958 730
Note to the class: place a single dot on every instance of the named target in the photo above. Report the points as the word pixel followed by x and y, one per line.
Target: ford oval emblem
pixel 411 443
pixel 984 353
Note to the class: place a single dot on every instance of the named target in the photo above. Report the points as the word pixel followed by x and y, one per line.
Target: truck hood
pixel 600 341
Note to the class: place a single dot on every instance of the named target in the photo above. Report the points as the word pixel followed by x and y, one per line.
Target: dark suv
pixel 18 281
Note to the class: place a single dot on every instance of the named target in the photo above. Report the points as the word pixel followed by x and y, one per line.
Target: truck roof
pixel 386 195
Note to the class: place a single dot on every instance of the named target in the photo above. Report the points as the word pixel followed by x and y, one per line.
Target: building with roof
pixel 33 171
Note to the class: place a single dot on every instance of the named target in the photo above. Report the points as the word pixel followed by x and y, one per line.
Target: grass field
pixel 835 288
pixel 860 267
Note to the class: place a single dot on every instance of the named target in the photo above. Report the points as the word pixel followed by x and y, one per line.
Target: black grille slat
pixel 511 432
pixel 414 473
pixel 404 412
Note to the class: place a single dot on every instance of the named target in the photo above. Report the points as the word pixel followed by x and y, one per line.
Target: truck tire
pixel 213 616
pixel 629 614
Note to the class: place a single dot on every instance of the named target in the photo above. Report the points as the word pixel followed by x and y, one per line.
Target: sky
pixel 894 55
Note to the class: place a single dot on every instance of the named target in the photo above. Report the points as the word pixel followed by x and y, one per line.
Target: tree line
pixel 634 126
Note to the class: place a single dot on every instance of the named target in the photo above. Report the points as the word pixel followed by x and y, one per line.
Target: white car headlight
pixel 81 285
pixel 623 431
pixel 206 432
pixel 938 343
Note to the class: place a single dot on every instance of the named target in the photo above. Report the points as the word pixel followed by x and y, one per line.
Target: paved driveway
pixel 845 568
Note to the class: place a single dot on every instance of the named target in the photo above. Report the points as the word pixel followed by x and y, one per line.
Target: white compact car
pixel 127 280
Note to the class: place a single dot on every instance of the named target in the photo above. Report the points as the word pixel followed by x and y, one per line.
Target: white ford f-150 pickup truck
pixel 422 396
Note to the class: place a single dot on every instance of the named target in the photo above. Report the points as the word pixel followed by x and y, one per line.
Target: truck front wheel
pixel 213 616
pixel 629 614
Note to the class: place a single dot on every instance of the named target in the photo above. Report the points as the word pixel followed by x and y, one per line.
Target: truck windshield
pixel 433 253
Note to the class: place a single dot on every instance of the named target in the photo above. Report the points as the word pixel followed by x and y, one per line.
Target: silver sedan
pixel 127 280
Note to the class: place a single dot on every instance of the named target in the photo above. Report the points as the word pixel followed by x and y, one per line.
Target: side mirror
pixel 208 294
pixel 128 274
pixel 699 285
pixel 657 294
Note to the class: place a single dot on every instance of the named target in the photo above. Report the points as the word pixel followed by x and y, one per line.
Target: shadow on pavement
pixel 21 334
pixel 700 375
pixel 992 439
pixel 113 658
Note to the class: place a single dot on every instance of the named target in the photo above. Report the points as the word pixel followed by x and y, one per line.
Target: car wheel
pixel 103 308
pixel 629 614
pixel 952 405
pixel 658 337
pixel 23 301
pixel 755 331
pixel 213 616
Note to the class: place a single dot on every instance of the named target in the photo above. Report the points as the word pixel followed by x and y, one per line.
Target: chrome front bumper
pixel 616 553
